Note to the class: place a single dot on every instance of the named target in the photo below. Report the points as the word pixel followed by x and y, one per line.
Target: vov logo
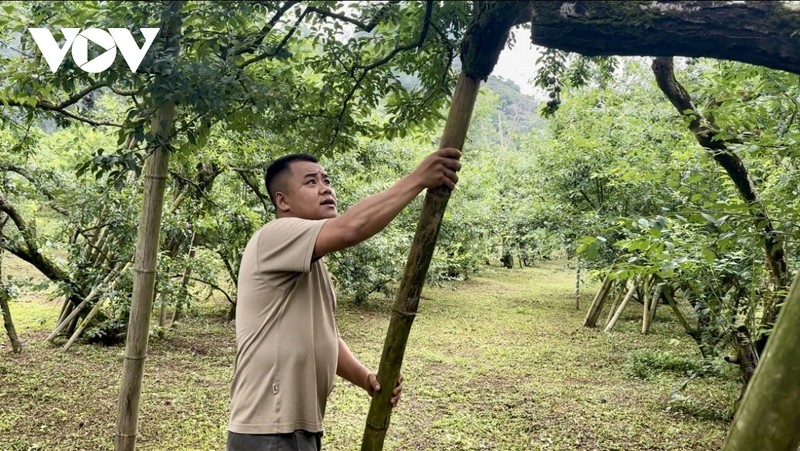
pixel 111 40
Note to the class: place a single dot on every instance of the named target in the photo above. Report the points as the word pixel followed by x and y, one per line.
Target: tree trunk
pixel 768 417
pixel 620 288
pixel 187 273
pixel 11 331
pixel 480 50
pixel 72 316
pixel 667 290
pixel 761 33
pixel 705 131
pixel 746 354
pixel 147 241
pixel 7 322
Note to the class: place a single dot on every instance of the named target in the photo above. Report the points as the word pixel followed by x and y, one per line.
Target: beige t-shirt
pixel 286 336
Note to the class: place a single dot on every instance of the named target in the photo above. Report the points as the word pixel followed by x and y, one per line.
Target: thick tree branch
pixel 45 104
pixel 30 253
pixel 124 92
pixel 761 33
pixel 49 106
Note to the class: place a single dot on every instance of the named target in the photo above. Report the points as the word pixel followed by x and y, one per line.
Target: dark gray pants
pixel 298 440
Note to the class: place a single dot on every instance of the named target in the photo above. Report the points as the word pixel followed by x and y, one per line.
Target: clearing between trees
pixel 499 362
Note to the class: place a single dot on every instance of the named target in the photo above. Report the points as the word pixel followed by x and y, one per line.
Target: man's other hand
pixel 372 386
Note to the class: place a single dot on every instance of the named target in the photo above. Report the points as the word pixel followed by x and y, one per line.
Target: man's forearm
pixel 371 215
pixel 349 368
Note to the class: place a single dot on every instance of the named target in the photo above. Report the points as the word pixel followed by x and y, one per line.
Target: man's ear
pixel 281 203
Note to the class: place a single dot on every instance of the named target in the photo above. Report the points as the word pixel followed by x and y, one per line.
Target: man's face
pixel 307 192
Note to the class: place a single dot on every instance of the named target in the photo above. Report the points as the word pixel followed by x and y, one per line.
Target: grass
pixel 499 362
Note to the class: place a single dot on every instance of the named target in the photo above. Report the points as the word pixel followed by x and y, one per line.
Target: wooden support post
pixel 654 306
pixel 620 289
pixel 622 306
pixel 597 303
pixel 646 303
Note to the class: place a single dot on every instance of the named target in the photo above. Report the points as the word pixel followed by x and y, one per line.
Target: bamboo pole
pixel 419 259
pixel 653 306
pixel 144 277
pixel 768 418
pixel 578 284
pixel 481 45
pixel 79 331
pixel 92 313
pixel 622 306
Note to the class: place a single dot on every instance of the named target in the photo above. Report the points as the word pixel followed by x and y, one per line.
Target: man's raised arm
pixel 371 215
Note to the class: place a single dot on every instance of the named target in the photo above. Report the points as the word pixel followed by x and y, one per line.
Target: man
pixel 288 346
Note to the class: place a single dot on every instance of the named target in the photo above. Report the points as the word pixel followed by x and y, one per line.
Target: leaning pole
pixel 480 49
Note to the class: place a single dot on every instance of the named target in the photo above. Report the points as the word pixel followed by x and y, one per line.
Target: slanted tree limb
pixel 706 132
pixel 37 184
pixel 30 250
pixel 8 323
pixel 667 291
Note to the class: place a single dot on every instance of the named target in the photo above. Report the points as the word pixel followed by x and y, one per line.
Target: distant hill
pixel 518 108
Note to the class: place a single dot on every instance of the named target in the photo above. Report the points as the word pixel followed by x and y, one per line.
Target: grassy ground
pixel 496 363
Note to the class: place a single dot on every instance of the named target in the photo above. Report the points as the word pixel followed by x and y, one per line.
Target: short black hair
pixel 279 166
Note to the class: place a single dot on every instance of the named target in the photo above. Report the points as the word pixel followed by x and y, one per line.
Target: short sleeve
pixel 287 245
